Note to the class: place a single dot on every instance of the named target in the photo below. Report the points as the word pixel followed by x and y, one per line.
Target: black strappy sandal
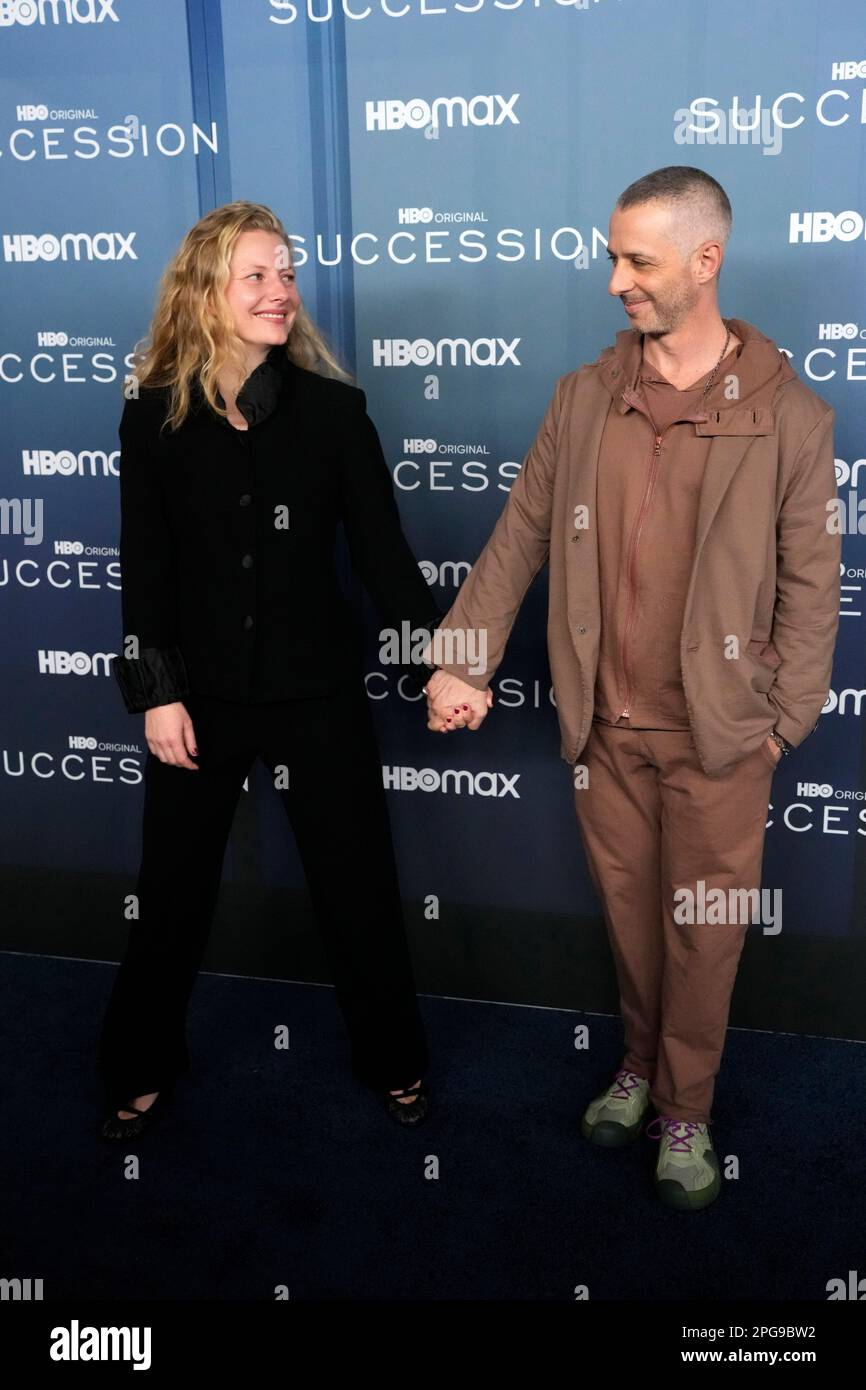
pixel 411 1114
pixel 116 1128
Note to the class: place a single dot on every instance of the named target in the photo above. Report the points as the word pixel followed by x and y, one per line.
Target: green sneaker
pixel 615 1117
pixel 687 1173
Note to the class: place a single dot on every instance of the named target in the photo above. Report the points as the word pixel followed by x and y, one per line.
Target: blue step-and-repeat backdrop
pixel 447 171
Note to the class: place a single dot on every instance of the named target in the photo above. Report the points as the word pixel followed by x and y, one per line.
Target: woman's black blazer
pixel 229 583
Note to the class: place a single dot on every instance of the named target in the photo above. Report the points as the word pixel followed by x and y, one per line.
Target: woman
pixel 242 448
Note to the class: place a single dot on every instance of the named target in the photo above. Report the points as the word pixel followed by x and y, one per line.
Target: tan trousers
pixel 652 822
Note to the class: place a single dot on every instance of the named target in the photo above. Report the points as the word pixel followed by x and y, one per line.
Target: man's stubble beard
pixel 670 314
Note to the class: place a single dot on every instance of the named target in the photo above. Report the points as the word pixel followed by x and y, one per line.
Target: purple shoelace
pixel 681 1142
pixel 626 1085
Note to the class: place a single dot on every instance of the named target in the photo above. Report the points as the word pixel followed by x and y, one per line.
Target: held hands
pixel 170 736
pixel 453 704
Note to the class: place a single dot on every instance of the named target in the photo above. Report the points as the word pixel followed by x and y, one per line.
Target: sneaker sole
pixel 673 1194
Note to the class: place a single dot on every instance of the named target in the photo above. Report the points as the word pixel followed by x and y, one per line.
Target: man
pixel 678 487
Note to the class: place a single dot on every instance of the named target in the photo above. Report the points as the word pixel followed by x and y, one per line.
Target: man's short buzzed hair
pixel 700 209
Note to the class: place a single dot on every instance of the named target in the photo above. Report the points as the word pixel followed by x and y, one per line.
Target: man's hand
pixel 453 704
pixel 170 735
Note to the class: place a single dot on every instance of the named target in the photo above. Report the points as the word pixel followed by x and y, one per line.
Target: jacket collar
pixel 260 392
pixel 760 367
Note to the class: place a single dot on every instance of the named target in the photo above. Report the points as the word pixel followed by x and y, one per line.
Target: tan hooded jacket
pixel 741 486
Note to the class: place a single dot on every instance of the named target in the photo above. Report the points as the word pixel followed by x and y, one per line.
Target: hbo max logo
pixel 55 12
pixel 836 331
pixel 422 352
pixel 418 114
pixel 825 226
pixel 54 663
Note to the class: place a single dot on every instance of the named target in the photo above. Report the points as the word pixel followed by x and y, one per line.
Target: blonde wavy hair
pixel 192 335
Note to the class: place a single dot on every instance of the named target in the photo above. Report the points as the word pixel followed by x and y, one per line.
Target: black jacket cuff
pixel 417 674
pixel 157 677
pixel 416 677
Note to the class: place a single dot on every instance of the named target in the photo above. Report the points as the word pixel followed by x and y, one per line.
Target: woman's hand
pixel 453 704
pixel 170 735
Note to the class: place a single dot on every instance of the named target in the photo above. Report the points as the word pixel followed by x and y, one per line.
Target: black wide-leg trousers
pixel 325 750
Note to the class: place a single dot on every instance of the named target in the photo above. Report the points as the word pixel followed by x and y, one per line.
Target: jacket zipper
pixel 636 530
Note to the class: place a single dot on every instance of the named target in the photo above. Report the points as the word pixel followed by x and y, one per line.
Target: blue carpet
pixel 276 1168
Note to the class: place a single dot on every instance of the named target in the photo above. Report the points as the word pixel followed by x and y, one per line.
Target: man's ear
pixel 710 256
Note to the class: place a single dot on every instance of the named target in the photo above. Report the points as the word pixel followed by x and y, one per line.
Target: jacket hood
pixel 759 365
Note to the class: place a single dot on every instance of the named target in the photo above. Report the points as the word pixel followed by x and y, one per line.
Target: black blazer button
pixel 247 562
pixel 248 622
pixel 246 499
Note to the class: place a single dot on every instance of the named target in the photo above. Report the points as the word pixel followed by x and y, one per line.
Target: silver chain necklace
pixel 712 376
